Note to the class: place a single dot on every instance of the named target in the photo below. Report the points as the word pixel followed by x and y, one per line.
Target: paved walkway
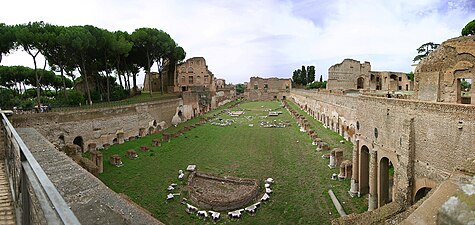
pixel 91 200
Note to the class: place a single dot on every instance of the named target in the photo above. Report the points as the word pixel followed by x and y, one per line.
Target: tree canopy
pixel 424 50
pixel 304 76
pixel 95 53
pixel 469 29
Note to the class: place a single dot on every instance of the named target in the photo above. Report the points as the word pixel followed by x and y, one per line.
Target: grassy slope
pixel 285 154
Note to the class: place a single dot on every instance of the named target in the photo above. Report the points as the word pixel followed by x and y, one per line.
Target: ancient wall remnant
pixel 439 76
pixel 352 75
pixel 422 141
pixel 267 88
pixel 194 73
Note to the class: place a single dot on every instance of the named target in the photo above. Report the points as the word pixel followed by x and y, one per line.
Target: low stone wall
pixel 204 191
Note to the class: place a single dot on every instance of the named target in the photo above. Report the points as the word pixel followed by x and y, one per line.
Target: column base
pixel 372 202
pixel 354 189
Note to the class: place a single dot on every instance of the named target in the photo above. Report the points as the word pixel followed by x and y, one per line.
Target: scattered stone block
pixel 202 213
pixel 191 168
pixel 268 191
pixel 144 148
pixel 265 197
pixel 170 196
pixel 191 208
pixel 131 154
pixel 116 160
pixel 334 176
pixel 251 209
pixel 156 142
pixel 235 214
pixel 215 215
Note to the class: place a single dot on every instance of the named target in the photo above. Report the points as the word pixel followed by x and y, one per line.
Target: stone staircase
pixel 7 211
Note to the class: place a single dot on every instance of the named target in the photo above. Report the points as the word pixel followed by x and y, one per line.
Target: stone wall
pixel 424 141
pixel 104 126
pixel 267 88
pixel 351 75
pixel 345 74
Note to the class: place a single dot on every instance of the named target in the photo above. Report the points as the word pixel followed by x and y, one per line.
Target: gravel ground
pixel 91 201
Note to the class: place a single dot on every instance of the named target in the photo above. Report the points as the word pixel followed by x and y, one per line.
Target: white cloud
pixel 240 39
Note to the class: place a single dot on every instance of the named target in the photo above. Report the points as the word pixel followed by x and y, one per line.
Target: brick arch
pixel 386 181
pixel 360 83
pixel 363 176
pixel 419 185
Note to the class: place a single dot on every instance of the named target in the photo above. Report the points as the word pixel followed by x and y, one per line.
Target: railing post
pixel 25 200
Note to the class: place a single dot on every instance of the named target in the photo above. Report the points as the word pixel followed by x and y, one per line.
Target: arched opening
pixel 155 123
pixel 115 141
pixel 79 142
pixel 386 181
pixel 464 86
pixel 61 139
pixel 180 114
pixel 142 132
pixel 364 170
pixel 421 193
pixel 360 83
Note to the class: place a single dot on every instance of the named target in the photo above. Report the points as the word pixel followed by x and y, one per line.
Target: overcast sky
pixel 270 38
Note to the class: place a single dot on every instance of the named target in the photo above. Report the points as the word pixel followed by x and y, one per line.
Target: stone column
pixel 332 159
pixel 354 178
pixel 99 162
pixel 373 181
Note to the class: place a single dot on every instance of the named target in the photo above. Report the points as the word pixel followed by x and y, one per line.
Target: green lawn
pixel 302 177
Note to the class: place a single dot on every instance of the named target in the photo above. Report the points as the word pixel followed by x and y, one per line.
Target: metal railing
pixel 36 199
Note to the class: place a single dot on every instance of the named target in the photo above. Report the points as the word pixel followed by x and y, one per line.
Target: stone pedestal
pixel 91 147
pixel 338 157
pixel 156 142
pixel 115 160
pixel 131 154
pixel 332 159
pixel 120 138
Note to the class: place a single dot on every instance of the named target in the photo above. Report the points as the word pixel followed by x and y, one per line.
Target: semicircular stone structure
pixel 221 193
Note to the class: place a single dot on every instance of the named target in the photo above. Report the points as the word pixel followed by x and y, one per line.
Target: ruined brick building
pixel 425 140
pixel 267 88
pixel 199 88
pixel 353 75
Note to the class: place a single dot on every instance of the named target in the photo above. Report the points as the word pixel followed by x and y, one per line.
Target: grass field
pixel 302 177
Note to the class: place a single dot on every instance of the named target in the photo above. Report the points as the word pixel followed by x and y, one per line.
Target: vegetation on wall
pixel 469 29
pixel 424 50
